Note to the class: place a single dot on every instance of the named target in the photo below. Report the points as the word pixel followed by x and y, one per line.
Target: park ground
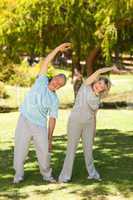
pixel 113 152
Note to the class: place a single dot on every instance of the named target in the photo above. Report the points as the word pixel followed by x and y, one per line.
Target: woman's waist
pixel 81 116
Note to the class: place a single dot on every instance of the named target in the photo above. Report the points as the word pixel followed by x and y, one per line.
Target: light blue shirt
pixel 40 103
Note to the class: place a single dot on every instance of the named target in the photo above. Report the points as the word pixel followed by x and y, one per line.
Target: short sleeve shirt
pixel 40 103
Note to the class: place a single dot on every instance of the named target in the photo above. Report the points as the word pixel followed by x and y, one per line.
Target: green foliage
pixel 16 74
pixel 6 71
pixel 3 93
pixel 22 76
pixel 31 27
pixel 114 26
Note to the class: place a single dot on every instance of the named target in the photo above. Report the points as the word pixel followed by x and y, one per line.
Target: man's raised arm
pixel 44 63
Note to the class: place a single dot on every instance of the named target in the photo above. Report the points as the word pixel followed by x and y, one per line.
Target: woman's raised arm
pixel 97 73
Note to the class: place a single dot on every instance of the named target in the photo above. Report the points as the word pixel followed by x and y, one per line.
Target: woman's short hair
pixel 107 83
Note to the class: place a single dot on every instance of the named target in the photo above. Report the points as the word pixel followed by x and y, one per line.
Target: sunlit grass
pixel 113 153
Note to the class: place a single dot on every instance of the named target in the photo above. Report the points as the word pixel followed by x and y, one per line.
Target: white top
pixel 86 104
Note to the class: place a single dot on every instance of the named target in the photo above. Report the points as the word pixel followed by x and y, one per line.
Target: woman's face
pixel 56 83
pixel 99 87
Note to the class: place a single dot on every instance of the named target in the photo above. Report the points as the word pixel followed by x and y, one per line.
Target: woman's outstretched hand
pixel 116 70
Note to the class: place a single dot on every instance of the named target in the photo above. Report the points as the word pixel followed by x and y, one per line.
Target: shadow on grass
pixel 113 159
pixel 103 105
pixel 116 105
pixel 6 109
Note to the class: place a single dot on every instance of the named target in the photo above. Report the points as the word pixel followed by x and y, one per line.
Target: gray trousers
pixel 75 131
pixel 25 131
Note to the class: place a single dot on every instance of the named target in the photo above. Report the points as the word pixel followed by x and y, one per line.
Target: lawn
pixel 113 153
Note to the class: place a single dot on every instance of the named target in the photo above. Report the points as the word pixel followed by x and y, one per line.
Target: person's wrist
pixel 50 139
pixel 57 49
pixel 112 68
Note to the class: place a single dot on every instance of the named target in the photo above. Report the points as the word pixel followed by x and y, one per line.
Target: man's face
pixel 56 83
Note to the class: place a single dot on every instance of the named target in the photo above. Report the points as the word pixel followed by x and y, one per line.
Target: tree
pixel 96 28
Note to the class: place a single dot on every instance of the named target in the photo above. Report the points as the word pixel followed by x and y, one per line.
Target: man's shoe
pixel 17 179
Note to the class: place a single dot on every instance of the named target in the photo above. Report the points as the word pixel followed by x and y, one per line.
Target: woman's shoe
pixel 63 180
pixel 49 179
pixel 94 177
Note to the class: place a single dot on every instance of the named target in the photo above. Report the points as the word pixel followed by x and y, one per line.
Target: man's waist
pixel 40 121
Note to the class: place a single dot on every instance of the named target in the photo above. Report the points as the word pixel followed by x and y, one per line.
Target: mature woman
pixel 82 123
pixel 40 102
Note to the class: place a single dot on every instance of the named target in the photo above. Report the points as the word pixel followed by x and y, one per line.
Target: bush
pixel 21 80
pixel 6 71
pixel 2 90
pixel 17 74
pixel 23 74
pixel 35 70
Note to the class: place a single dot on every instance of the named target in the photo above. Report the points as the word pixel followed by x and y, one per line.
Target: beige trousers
pixel 75 131
pixel 25 131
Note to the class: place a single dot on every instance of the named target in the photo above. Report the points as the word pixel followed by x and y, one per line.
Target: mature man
pixel 40 102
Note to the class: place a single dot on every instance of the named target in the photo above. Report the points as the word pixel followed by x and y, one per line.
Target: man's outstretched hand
pixel 64 47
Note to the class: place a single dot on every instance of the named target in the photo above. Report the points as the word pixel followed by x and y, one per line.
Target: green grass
pixel 121 83
pixel 113 153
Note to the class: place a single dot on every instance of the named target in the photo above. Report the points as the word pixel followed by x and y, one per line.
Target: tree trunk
pixel 117 60
pixel 76 60
pixel 75 64
pixel 77 82
pixel 91 60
